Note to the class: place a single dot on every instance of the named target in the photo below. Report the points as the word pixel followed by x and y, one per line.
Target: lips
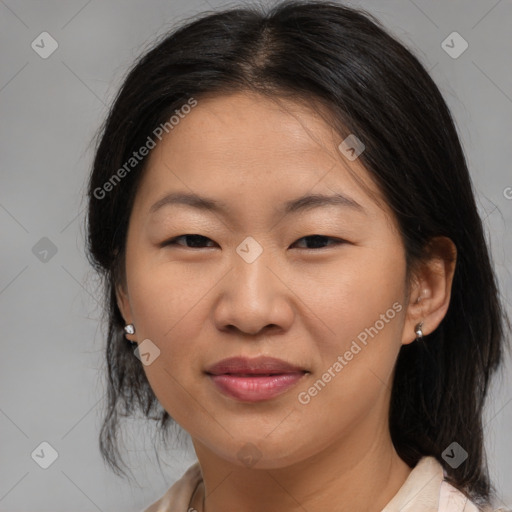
pixel 257 366
pixel 254 380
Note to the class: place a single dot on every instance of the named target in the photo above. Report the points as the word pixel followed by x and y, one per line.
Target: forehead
pixel 250 149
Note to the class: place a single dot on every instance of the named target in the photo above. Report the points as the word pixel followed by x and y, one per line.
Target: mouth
pixel 254 380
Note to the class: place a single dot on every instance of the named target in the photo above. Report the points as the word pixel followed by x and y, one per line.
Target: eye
pixel 318 241
pixel 197 241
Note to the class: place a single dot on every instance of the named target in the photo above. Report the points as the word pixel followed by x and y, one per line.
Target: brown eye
pixel 196 241
pixel 318 241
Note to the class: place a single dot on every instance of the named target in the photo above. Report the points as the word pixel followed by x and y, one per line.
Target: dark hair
pixel 323 54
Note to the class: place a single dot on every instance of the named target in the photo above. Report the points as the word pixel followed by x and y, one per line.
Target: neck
pixel 349 474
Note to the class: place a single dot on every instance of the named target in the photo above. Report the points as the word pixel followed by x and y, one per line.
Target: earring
pixel 129 329
pixel 418 331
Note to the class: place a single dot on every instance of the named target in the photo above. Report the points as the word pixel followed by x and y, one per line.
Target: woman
pixel 295 269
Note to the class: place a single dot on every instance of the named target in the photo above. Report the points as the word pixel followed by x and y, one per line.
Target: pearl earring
pixel 418 331
pixel 129 329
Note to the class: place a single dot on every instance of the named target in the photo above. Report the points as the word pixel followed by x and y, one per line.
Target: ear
pixel 430 288
pixel 123 304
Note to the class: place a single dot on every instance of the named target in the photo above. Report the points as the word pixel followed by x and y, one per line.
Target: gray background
pixel 52 387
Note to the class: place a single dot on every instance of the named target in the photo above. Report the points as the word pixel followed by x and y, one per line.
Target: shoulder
pixel 452 500
pixel 426 490
pixel 177 497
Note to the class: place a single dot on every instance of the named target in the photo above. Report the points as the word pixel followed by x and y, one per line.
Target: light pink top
pixel 423 491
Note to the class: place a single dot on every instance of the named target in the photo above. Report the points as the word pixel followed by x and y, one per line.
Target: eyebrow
pixel 306 202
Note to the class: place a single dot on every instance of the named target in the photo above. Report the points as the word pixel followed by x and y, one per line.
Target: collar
pixel 420 491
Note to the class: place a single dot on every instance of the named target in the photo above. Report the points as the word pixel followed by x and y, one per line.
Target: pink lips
pixel 254 380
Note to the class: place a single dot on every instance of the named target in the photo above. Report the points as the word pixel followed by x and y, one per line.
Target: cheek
pixel 170 308
pixel 351 294
pixel 167 300
pixel 356 360
pixel 167 309
pixel 361 311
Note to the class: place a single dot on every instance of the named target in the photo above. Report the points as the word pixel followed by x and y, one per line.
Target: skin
pixel 303 305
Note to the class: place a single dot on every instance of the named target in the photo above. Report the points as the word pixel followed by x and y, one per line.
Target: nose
pixel 253 298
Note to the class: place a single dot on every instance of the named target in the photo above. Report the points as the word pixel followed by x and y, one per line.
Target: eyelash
pixel 173 241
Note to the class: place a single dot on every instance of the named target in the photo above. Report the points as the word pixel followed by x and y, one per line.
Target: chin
pixel 257 453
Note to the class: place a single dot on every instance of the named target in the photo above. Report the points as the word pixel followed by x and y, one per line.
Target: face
pixel 319 285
